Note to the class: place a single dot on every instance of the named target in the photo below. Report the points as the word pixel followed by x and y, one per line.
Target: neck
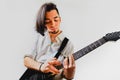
pixel 54 35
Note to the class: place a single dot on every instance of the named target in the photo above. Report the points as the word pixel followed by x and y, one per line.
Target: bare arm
pixel 48 66
pixel 31 63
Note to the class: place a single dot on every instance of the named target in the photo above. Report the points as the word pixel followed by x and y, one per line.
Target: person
pixel 50 37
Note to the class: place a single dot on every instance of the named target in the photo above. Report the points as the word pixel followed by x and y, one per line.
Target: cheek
pixel 58 24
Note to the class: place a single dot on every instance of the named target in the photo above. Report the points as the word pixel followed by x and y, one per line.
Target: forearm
pixel 31 63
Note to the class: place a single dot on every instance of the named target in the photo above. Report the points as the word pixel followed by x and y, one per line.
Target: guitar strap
pixel 63 44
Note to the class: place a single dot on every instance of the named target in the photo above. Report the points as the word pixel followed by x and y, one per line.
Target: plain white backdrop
pixel 83 21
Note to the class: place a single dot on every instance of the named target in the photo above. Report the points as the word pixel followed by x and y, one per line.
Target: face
pixel 52 21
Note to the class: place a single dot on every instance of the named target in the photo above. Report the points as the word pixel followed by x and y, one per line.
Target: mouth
pixel 53 29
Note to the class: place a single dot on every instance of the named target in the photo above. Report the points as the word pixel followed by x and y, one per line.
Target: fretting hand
pixel 69 67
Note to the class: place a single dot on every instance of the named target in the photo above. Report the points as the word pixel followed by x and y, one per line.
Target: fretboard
pixel 89 48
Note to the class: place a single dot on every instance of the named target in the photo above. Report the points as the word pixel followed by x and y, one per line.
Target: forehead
pixel 51 14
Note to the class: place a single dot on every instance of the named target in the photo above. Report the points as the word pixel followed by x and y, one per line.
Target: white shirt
pixel 45 49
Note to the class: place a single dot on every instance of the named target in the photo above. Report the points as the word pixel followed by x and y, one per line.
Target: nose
pixel 52 22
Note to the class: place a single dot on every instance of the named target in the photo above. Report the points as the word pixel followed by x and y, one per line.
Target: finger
pixel 53 69
pixel 65 63
pixel 46 70
pixel 73 60
pixel 55 62
pixel 70 61
pixel 53 73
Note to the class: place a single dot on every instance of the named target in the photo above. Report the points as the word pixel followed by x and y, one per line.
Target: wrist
pixel 63 76
pixel 40 66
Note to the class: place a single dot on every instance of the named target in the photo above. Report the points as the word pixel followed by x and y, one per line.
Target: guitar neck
pixel 89 48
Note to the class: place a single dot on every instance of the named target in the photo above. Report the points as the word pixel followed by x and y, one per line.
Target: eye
pixel 47 21
pixel 56 20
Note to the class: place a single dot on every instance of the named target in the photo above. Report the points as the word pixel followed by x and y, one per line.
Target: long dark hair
pixel 40 21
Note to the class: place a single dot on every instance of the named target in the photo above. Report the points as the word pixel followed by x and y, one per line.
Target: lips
pixel 53 28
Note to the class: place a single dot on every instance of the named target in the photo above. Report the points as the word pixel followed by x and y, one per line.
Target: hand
pixel 69 67
pixel 49 66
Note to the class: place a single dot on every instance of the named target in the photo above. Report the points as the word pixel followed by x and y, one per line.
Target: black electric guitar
pixel 108 37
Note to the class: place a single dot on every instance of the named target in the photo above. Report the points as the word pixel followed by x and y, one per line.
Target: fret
pixel 89 48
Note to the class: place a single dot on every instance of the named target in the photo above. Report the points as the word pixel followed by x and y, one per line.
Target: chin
pixel 53 31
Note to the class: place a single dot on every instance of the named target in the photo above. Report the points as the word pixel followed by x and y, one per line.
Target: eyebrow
pixel 54 18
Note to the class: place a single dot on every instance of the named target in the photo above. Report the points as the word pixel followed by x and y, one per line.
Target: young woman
pixel 48 42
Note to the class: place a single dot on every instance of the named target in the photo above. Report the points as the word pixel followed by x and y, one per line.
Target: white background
pixel 83 21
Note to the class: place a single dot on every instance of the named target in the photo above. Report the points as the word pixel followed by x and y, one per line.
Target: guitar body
pixel 36 75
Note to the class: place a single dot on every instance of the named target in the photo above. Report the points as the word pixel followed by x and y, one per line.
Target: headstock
pixel 114 36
